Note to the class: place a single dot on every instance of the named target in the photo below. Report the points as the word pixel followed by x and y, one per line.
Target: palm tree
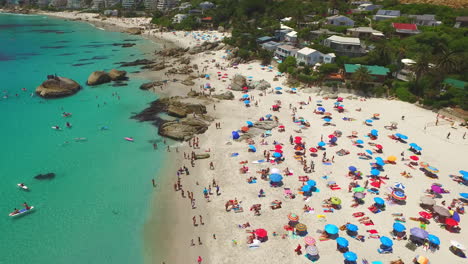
pixel 361 78
pixel 420 68
pixel 447 61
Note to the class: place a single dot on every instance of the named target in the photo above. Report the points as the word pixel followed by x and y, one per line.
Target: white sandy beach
pixel 447 155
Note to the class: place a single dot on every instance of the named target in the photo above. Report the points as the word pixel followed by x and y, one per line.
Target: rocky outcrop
pixel 150 85
pixel 205 46
pixel 261 85
pixel 57 87
pixel 172 52
pixel 185 128
pixel 136 63
pixel 133 31
pixel 265 125
pixel 98 77
pixel 238 82
pixel 163 105
pixel 181 70
pixel 117 75
pixel 224 96
pixel 188 82
pixel 184 60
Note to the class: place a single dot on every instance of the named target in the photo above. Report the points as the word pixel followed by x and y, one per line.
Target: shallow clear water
pixel 94 209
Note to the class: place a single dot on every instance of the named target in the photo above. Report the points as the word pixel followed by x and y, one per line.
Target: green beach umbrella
pixel 359 189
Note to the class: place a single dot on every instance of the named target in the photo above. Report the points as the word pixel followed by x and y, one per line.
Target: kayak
pixel 128 139
pixel 24 187
pixel 56 128
pixel 22 211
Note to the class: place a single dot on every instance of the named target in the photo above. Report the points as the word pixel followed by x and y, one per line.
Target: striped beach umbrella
pixel 397 195
pixel 293 217
pixel 301 227
pixel 312 250
pixel 309 240
pixel 432 169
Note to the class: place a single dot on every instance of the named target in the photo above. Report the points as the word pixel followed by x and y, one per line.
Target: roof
pixel 306 51
pixel 403 26
pixel 265 38
pixel 345 40
pixel 374 70
pixel 288 47
pixel 424 17
pixel 364 29
pixel 207 19
pixel 455 83
pixel 323 31
pixel 292 34
pixel 338 17
pixel 383 12
pixel 462 19
pixel 271 44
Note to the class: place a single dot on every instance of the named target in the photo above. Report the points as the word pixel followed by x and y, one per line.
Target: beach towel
pixel 327 163
pixel 234 154
pixel 303 178
pixel 258 161
pixel 335 188
pixel 254 181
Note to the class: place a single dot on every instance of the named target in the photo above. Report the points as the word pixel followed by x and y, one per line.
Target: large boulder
pixel 176 111
pixel 261 85
pixel 265 125
pixel 171 105
pixel 98 77
pixel 183 129
pixel 133 31
pixel 57 87
pixel 224 96
pixel 238 82
pixel 117 75
pixel 150 85
pixel 202 156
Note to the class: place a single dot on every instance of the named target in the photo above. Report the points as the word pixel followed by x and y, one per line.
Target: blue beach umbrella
pixel 247 102
pixel 418 232
pixel 277 155
pixel 399 227
pixel 268 116
pixel 275 177
pixel 249 123
pixel 379 200
pixel 375 172
pixel 245 96
pixel 369 152
pixel 352 168
pixel 464 174
pixel 333 139
pixel 377 262
pixel 207 76
pixel 359 141
pixel 321 144
pixel 337 103
pixel 293 89
pixel 418 148
pixel 464 195
pixel 386 241
pixel 374 132
pixel 321 109
pixel 401 136
pixel 311 183
pixel 369 121
pixel 253 148
pixel 350 256
pixel 306 188
pixel 433 239
pixel 342 242
pixel 327 119
pixel 235 135
pixel 400 185
pixel 278 88
pixel 352 228
pixel 456 217
pixel 331 229
pixel 250 77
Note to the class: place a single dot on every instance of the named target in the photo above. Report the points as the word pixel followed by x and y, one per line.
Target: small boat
pixel 128 139
pixel 22 186
pixel 22 211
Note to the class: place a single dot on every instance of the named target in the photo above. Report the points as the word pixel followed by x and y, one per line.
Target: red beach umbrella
pixel 415 158
pixel 245 129
pixel 244 88
pixel 278 147
pixel 379 146
pixel 279 151
pixel 261 232
pixel 313 150
pixel 298 138
pixel 425 215
pixel 331 136
pixel 297 141
pixel 281 126
pixel 298 148
pixel 451 222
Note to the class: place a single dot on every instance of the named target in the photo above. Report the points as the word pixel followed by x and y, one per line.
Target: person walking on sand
pixel 448 135
pixel 199 241
pixel 298 249
pixel 464 135
pixel 194 219
pixel 199 259
pixel 201 220
pixel 211 166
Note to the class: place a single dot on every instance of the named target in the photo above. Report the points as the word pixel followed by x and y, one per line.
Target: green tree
pixel 361 78
pixel 420 68
pixel 287 64
pixel 328 68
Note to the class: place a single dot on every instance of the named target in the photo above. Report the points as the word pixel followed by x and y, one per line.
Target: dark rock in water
pixel 57 87
pixel 124 45
pixel 117 75
pixel 135 72
pixel 47 176
pixel 130 40
pixel 52 47
pixel 81 64
pixel 118 84
pixel 66 54
pixel 136 63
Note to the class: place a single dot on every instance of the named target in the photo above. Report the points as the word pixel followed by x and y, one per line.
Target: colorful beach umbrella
pixel 309 240
pixel 463 173
pixel 352 227
pixel 352 168
pixel 425 215
pixel 331 229
pixel 278 88
pixel 293 217
pixel 418 232
pixel 433 239
pixel 261 232
pixel 437 189
pixel 350 256
pixel 311 250
pixel 301 227
pixel 311 183
pixel 397 195
pixel 276 177
pixel 375 172
pixel 313 150
pixel 399 227
pixel 342 242
pixel 432 169
pixel 400 185
pixel 379 200
pixel 335 200
pixel 386 241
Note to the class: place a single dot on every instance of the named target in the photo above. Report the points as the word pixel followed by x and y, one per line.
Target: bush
pixel 403 94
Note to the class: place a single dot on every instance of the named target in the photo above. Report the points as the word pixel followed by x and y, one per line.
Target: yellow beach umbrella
pixel 391 158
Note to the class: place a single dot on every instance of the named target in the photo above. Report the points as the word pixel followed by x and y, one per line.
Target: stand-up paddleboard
pixel 56 128
pixel 22 211
pixel 24 187
pixel 81 139
pixel 128 139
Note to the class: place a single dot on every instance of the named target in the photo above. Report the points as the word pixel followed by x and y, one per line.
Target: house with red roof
pixel 404 29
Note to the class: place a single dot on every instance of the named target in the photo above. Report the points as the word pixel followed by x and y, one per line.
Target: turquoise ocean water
pixel 94 209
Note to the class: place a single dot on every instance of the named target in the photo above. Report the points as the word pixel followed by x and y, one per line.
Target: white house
pixel 386 14
pixel 340 21
pixel 291 37
pixel 345 46
pixel 311 57
pixel 178 18
pixel 284 51
pixel 368 7
pixel 206 5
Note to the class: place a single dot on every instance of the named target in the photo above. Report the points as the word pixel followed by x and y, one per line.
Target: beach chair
pixel 238 209
pixel 385 250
